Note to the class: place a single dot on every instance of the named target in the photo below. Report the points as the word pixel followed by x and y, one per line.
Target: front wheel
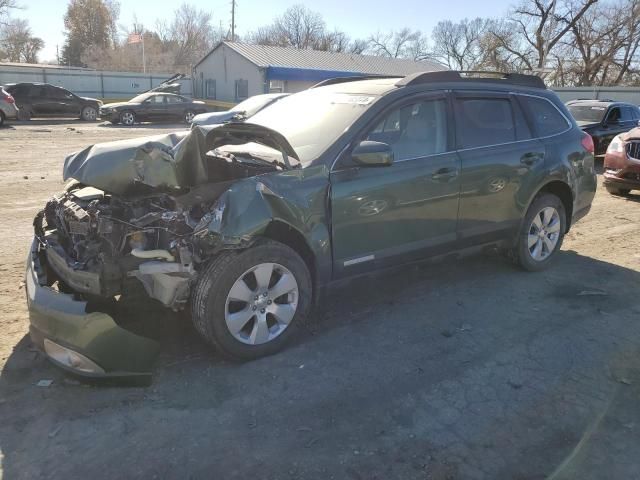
pixel 249 304
pixel 89 114
pixel 542 233
pixel 127 118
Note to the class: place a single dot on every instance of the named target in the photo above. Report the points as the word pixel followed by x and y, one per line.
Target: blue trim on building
pixel 305 74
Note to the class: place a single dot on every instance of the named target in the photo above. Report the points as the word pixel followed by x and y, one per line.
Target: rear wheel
pixel 249 304
pixel 127 118
pixel 617 191
pixel 24 114
pixel 89 114
pixel 542 233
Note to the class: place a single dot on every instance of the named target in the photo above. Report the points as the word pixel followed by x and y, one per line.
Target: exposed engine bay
pixel 96 240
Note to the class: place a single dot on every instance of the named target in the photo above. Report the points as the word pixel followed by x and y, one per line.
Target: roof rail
pixel 472 76
pixel 355 78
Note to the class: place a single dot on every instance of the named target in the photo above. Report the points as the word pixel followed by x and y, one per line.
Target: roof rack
pixel 472 76
pixel 355 78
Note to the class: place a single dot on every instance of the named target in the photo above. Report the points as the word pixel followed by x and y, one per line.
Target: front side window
pixel 176 99
pixel 414 130
pixel 156 99
pixel 544 116
pixel 484 121
pixel 626 114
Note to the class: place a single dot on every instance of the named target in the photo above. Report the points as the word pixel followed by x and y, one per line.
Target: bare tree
pixel 459 45
pixel 544 23
pixel 19 44
pixel 403 43
pixel 190 35
pixel 5 9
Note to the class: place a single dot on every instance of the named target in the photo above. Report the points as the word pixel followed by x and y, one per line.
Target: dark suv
pixel 604 119
pixel 44 100
pixel 245 224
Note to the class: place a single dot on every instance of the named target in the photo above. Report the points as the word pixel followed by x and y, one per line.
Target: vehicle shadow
pixel 143 125
pixel 439 321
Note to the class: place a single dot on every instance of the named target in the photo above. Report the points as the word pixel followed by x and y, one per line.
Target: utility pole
pixel 233 20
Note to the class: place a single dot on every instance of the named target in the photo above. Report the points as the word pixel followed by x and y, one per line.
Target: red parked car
pixel 622 163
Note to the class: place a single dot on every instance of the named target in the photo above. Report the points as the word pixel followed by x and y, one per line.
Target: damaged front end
pixel 150 211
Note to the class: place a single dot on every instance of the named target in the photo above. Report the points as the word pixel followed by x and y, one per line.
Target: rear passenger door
pixel 155 107
pixel 499 158
pixel 40 101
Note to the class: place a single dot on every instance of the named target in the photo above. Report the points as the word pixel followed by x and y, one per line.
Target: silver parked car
pixel 8 108
pixel 240 112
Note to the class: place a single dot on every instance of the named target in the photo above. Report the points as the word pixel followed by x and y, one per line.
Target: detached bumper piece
pixel 89 344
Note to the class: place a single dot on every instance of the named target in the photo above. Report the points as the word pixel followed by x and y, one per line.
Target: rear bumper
pixel 10 110
pixel 62 327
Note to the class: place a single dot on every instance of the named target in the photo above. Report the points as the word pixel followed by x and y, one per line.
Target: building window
pixel 276 86
pixel 210 89
pixel 242 89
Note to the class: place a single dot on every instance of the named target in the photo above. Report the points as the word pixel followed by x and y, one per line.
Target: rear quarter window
pixel 545 118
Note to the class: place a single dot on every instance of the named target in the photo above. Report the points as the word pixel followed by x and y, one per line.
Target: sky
pixel 358 18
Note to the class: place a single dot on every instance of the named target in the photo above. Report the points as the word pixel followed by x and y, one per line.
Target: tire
pixel 619 192
pixel 89 114
pixel 24 114
pixel 1 118
pixel 188 116
pixel 127 118
pixel 212 308
pixel 535 255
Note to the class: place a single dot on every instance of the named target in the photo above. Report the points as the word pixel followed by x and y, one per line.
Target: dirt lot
pixel 465 370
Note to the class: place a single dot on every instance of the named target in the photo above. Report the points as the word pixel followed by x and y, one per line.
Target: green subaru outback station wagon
pixel 244 224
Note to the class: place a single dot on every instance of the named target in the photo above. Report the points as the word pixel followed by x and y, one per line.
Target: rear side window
pixel 484 121
pixel 544 116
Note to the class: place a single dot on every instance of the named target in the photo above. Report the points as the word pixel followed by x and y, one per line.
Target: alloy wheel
pixel 90 113
pixel 128 118
pixel 261 303
pixel 544 233
pixel 188 117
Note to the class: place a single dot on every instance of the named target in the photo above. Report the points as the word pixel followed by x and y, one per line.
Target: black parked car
pixel 42 99
pixel 604 119
pixel 152 106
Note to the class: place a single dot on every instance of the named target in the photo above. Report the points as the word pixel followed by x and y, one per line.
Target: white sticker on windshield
pixel 352 99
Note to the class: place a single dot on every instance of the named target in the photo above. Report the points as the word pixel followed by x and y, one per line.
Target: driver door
pixel 386 215
pixel 155 107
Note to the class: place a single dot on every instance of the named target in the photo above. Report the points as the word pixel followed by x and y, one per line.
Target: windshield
pixel 312 120
pixel 591 114
pixel 252 105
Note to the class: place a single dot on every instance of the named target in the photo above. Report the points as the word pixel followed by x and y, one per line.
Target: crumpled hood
pixel 169 161
pixel 213 118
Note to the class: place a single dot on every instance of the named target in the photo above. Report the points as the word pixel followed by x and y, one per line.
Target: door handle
pixel 444 174
pixel 531 158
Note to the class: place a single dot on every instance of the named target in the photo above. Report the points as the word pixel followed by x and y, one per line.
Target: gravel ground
pixel 463 370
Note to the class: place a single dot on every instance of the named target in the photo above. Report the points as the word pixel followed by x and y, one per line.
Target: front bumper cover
pixel 64 320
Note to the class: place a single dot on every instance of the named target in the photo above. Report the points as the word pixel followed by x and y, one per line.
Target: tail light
pixel 587 143
pixel 7 97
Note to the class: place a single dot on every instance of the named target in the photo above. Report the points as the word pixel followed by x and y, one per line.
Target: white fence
pixel 86 82
pixel 620 94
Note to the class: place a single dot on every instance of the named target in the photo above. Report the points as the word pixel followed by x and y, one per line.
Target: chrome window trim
pixel 569 127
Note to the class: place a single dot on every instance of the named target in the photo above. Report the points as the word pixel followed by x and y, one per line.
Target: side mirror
pixel 372 154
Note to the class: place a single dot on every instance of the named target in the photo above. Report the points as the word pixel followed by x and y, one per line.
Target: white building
pixel 234 71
